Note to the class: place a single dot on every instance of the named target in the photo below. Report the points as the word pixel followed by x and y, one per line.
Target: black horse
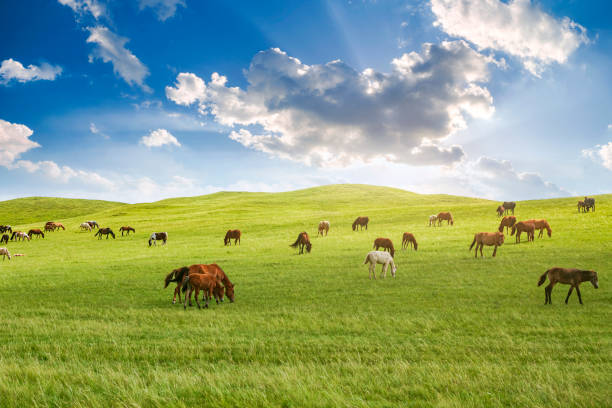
pixel 589 203
pixel 104 231
pixel 509 206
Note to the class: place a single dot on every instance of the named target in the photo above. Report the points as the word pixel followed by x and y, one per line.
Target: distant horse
pixel 302 241
pixel 36 232
pixel 384 243
pixel 323 227
pixel 127 228
pixel 541 225
pixel 568 276
pixel 199 281
pixel 487 238
pixel 4 252
pixel 157 236
pixel 4 239
pixel 58 225
pixel 408 239
pixel 380 257
pixel 49 227
pixel 507 222
pixel 361 222
pixel 104 231
pixel 93 224
pixel 21 236
pixel 432 220
pixel 589 203
pixel 85 227
pixel 509 206
pixel 500 210
pixel 232 234
pixel 5 228
pixel 581 206
pixel 523 226
pixel 445 216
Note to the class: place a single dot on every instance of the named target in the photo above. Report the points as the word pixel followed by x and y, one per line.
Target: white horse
pixel 22 236
pixel 380 257
pixel 4 252
pixel 323 226
pixel 432 220
pixel 85 226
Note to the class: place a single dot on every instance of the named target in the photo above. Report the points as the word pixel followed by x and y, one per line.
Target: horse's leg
pixel 481 246
pixel 494 251
pixel 187 295
pixel 578 292
pixel 569 293
pixel 549 288
pixel 384 271
pixel 197 295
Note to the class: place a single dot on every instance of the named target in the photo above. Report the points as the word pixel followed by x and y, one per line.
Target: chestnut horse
pixel 507 222
pixel 37 232
pixel 568 276
pixel 199 281
pixel 323 227
pixel 302 241
pixel 500 210
pixel 127 228
pixel 361 222
pixel 541 225
pixel 384 243
pixel 58 225
pixel 178 275
pixel 487 238
pixel 408 239
pixel 525 226
pixel 232 234
pixel 509 206
pixel 445 216
pixel 104 231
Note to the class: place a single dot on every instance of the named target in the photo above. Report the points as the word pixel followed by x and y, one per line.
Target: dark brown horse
pixel 408 239
pixel 177 275
pixel 567 276
pixel 589 203
pixel 36 232
pixel 541 225
pixel 445 216
pixel 4 239
pixel 127 228
pixel 158 236
pixel 5 228
pixel 384 243
pixel 500 210
pixel 509 206
pixel 232 234
pixel 361 222
pixel 487 238
pixel 303 240
pixel 523 226
pixel 104 231
pixel 507 222
pixel 581 206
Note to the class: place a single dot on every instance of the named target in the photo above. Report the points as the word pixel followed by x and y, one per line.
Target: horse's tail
pixel 185 284
pixel 542 278
pixel 473 242
pixel 297 241
pixel 367 258
pixel 171 277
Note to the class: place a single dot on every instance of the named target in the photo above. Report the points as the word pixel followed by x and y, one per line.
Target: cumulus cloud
pixel 11 69
pixel 159 137
pixel 516 27
pixel 14 141
pixel 64 174
pixel 80 7
pixel 601 154
pixel 164 9
pixel 110 47
pixel 333 115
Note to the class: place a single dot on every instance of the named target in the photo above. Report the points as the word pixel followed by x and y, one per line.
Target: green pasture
pixel 86 322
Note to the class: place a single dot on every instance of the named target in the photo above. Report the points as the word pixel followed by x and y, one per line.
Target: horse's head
pixel 513 229
pixel 229 292
pixel 594 280
pixel 354 225
pixel 500 238
pixel 308 246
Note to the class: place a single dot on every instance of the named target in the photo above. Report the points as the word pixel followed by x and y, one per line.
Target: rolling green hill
pixel 88 323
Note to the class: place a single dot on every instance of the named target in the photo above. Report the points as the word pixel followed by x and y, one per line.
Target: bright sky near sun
pixel 140 100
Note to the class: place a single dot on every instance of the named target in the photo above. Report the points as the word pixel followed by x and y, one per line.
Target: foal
pixel 384 243
pixel 408 239
pixel 523 226
pixel 199 281
pixel 500 210
pixel 568 276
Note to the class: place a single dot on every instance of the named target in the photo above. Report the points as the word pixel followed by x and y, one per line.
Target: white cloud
pixel 14 140
pixel 610 126
pixel 11 69
pixel 517 27
pixel 94 129
pixel 110 47
pixel 64 174
pixel 600 154
pixel 163 8
pixel 159 137
pixel 332 115
pixel 95 8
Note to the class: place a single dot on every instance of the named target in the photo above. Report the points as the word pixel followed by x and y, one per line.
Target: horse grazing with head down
pixel 85 227
pixel 4 252
pixel 21 236
pixel 178 275
pixel 127 229
pixel 487 238
pixel 500 210
pixel 361 222
pixel 507 222
pixel 568 276
pixel 380 257
pixel 5 228
pixel 232 234
pixel 509 206
pixel 58 225
pixel 4 239
pixel 104 231
pixel 445 216
pixel 523 226
pixel 384 243
pixel 541 225
pixel 408 239
pixel 158 236
pixel 302 241
pixel 93 224
pixel 36 232
pixel 323 227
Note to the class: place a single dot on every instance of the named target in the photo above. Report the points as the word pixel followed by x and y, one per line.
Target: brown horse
pixel 58 225
pixel 214 269
pixel 523 226
pixel 507 222
pixel 487 238
pixel 157 236
pixel 500 210
pixel 581 206
pixel 177 275
pixel 199 281
pixel 408 239
pixel 104 231
pixel 323 227
pixel 4 239
pixel 361 222
pixel 232 234
pixel 385 243
pixel 49 228
pixel 568 276
pixel 127 228
pixel 445 216
pixel 509 206
pixel 302 241
pixel 37 232
pixel 541 225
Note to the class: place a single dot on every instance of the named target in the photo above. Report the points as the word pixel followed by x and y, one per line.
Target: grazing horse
pixel 500 210
pixel 581 206
pixel 93 224
pixel 178 275
pixel 445 216
pixel 487 238
pixel 432 220
pixel 156 236
pixel 49 227
pixel 380 257
pixel 5 228
pixel 361 222
pixel 199 281
pixel 22 236
pixel 4 252
pixel 58 225
pixel 509 206
pixel 302 241
pixel 232 234
pixel 385 243
pixel 507 222
pixel 408 239
pixel 568 276
pixel 85 227
pixel 36 232
pixel 541 225
pixel 525 226
pixel 127 228
pixel 589 203
pixel 4 239
pixel 323 227
pixel 104 231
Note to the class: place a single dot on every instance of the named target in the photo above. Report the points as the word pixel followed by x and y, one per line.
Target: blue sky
pixel 140 100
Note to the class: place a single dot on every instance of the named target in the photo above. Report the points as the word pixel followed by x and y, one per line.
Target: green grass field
pixel 88 323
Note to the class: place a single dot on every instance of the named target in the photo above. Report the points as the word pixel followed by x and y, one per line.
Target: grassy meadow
pixel 86 322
